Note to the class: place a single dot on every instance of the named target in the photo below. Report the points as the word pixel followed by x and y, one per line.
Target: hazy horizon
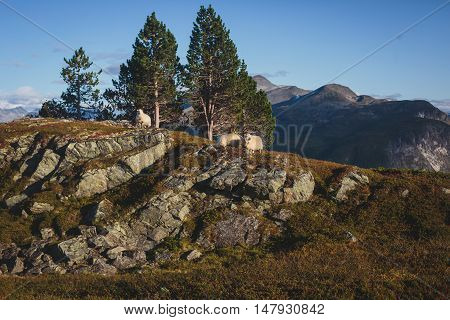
pixel 289 42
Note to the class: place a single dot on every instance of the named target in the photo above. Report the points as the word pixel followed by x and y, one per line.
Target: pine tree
pixel 120 98
pixel 211 72
pixel 253 108
pixel 81 91
pixel 153 68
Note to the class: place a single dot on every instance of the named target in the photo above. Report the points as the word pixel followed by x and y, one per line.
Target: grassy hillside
pixel 388 241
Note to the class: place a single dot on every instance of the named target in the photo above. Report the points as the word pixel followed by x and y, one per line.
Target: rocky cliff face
pixel 47 173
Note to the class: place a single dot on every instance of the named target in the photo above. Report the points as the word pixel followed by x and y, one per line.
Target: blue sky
pixel 303 43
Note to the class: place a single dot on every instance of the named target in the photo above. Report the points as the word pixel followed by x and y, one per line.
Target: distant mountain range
pixel 7 115
pixel 341 126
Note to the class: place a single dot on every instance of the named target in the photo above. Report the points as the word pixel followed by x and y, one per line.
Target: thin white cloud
pixel 276 74
pixel 26 97
pixel 443 104
pixel 393 96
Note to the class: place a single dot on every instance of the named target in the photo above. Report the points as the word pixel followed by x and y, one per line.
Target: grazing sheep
pixel 253 143
pixel 142 119
pixel 231 139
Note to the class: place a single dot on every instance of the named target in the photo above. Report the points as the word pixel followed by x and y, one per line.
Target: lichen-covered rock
pixel 193 255
pixel 47 233
pixel 146 158
pixel 16 266
pixel 232 176
pixel 39 207
pixel 350 183
pixel 236 229
pixel 46 165
pixel 164 214
pixel 262 183
pixel 87 231
pixel 282 215
pixel 101 180
pixel 302 188
pixel 99 212
pixel 178 183
pixel 75 249
pixel 15 200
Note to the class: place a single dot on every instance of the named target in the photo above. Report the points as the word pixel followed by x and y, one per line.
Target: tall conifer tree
pixel 153 68
pixel 211 72
pixel 81 92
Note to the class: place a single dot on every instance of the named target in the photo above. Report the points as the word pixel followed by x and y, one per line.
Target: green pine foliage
pixel 212 69
pixel 81 92
pixel 254 110
pixel 148 80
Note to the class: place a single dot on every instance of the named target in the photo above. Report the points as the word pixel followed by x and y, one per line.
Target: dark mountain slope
pixel 363 131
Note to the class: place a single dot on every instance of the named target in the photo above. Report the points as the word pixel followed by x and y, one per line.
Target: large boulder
pixel 99 212
pixel 41 207
pixel 262 183
pixel 101 180
pixel 75 249
pixel 164 214
pixel 46 165
pixel 302 188
pixel 236 229
pixel 229 178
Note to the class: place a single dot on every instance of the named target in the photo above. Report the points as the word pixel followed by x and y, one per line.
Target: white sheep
pixel 253 143
pixel 142 119
pixel 230 139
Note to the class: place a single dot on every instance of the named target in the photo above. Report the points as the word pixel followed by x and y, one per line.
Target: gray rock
pixel 87 231
pixel 193 255
pixel 165 214
pixel 16 266
pixel 262 183
pixel 302 189
pixel 75 249
pixel 47 233
pixel 114 252
pixel 236 230
pixel 162 256
pixel 146 158
pixel 39 207
pixel 178 183
pixel 405 193
pixel 229 178
pixel 101 180
pixel 282 215
pixel 350 183
pixel 46 166
pixel 100 212
pixel 15 200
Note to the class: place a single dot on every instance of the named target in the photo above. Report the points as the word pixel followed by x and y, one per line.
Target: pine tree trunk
pixel 156 106
pixel 210 130
pixel 79 104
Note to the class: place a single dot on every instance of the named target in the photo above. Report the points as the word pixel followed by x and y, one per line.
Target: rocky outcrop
pixel 219 201
pixel 235 230
pixel 262 183
pixel 301 190
pixel 349 183
pixel 229 178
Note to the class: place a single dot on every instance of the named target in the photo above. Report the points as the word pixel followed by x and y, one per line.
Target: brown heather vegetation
pixel 401 251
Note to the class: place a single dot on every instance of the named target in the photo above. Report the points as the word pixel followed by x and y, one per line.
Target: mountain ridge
pixel 364 131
